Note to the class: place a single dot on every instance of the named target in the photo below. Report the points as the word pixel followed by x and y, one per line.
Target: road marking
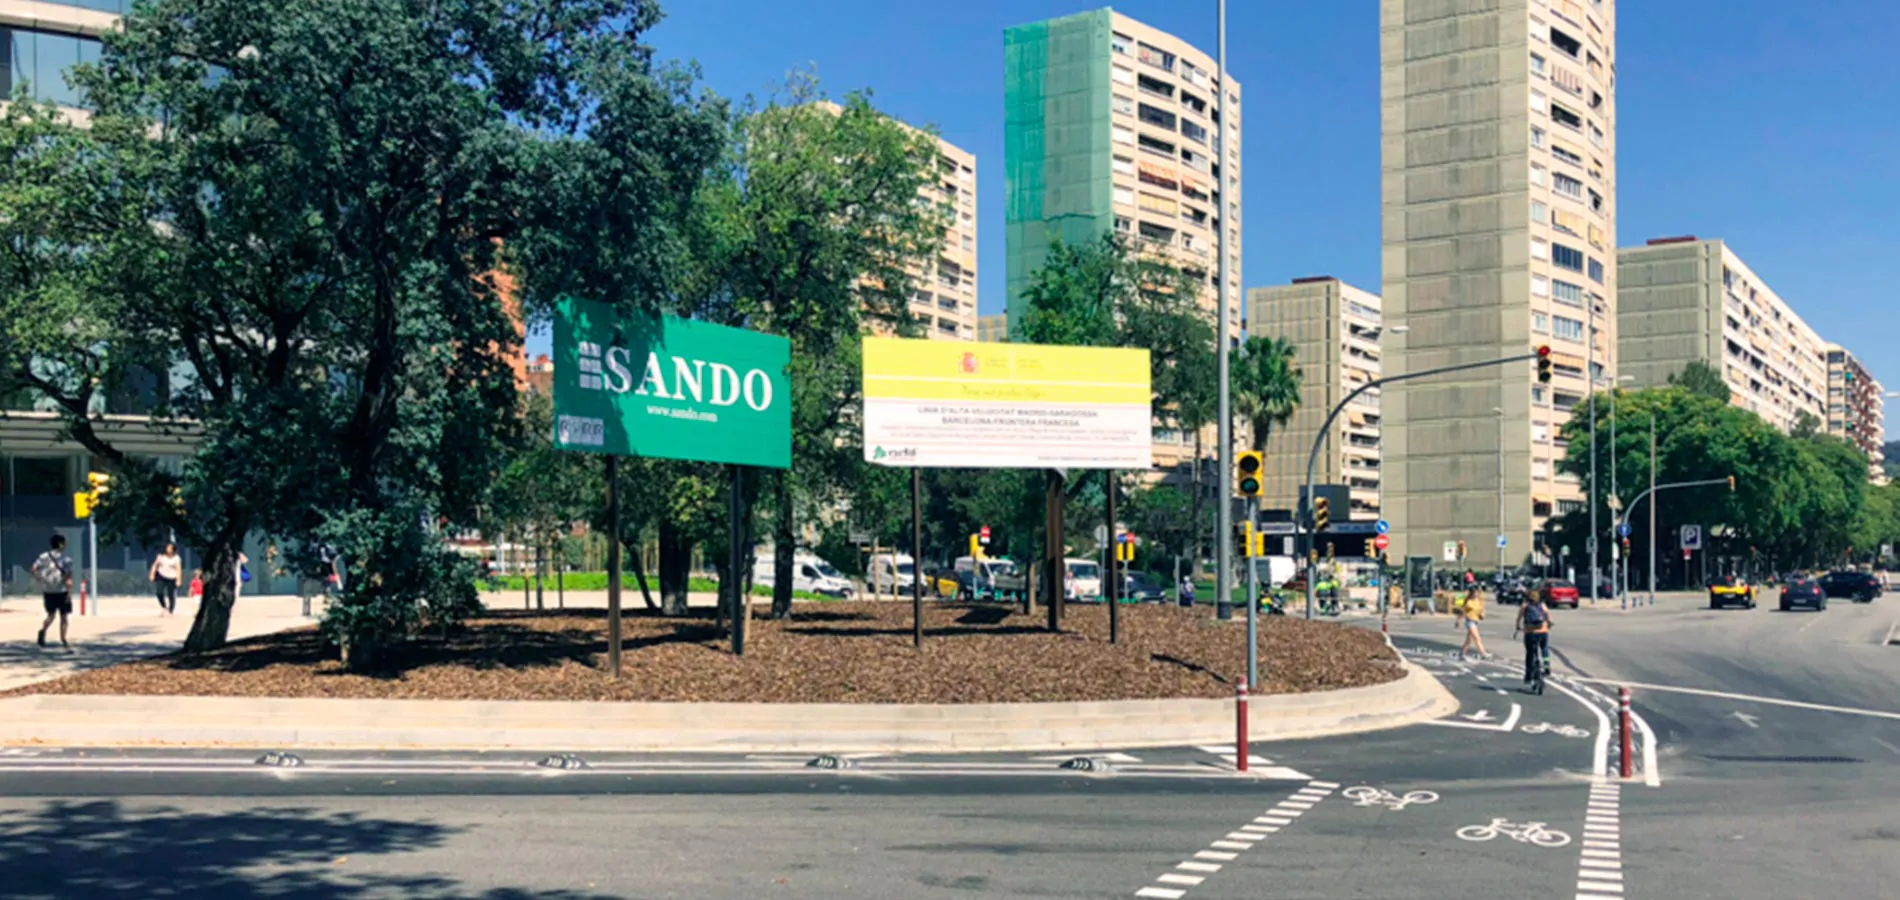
pixel 1603 854
pixel 1746 718
pixel 1599 886
pixel 1887 745
pixel 1601 845
pixel 1229 847
pixel 1509 722
pixel 1600 864
pixel 1891 632
pixel 1599 860
pixel 1111 757
pixel 1811 623
pixel 1748 698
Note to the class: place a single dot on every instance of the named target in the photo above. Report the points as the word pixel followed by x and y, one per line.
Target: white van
pixel 976 578
pixel 889 572
pixel 810 573
pixel 1084 579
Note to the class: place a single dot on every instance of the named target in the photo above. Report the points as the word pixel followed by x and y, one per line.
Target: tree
pixel 1806 425
pixel 810 228
pixel 301 208
pixel 540 491
pixel 1266 386
pixel 1702 379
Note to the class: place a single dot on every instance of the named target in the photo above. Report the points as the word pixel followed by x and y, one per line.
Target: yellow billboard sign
pixel 953 404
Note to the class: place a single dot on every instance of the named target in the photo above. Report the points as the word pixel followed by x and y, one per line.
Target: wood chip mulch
pixel 835 653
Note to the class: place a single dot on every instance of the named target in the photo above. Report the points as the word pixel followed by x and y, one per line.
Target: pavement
pixel 1766 749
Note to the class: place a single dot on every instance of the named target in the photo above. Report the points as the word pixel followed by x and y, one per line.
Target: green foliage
pixel 1701 379
pixel 1266 386
pixel 309 234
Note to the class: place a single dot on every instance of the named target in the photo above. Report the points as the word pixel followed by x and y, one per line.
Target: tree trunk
pixel 675 559
pixel 784 546
pixel 213 622
pixel 1194 540
pixel 640 574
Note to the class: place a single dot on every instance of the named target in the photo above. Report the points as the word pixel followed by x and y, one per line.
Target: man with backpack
pixel 54 571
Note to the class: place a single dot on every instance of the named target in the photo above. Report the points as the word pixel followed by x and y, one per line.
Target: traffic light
pixel 1731 484
pixel 976 547
pixel 1259 543
pixel 1243 539
pixel 82 505
pixel 1329 551
pixel 1543 363
pixel 1247 480
pixel 1461 549
pixel 1322 513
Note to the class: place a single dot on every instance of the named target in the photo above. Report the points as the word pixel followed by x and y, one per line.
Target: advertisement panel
pixel 669 388
pixel 951 404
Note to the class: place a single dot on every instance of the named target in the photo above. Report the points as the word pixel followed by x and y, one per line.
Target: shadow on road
pixel 103 849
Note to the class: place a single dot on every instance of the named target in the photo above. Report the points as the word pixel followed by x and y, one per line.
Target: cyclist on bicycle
pixel 1533 621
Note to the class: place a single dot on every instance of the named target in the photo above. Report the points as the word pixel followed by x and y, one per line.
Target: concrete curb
pixel 72 720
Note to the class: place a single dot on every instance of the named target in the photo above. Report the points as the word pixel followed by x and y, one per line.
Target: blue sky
pixel 1774 125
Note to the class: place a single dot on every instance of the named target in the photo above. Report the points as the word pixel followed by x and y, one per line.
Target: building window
pixel 1538 100
pixel 1565 44
pixel 1119 43
pixel 1539 175
pixel 1540 323
pixel 1567 186
pixel 1566 153
pixel 1124 105
pixel 1566 257
pixel 1125 196
pixel 1157 117
pixel 1193 132
pixel 1565 292
pixel 1123 76
pixel 968 244
pixel 1123 134
pixel 1596 271
pixel 1540 211
pixel 1563 116
pixel 1540 249
pixel 1537 64
pixel 1538 136
pixel 41 61
pixel 1567 329
pixel 1596 136
pixel 1540 286
pixel 1124 165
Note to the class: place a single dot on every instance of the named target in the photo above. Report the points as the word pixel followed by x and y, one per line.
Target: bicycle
pixel 1539 673
pixel 1523 833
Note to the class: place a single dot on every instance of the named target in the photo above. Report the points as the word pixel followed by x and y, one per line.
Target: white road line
pixel 1216 854
pixel 1604 875
pixel 1162 893
pixel 1601 845
pixel 1652 775
pixel 1887 745
pixel 1258 829
pixel 1602 854
pixel 1328 785
pixel 1600 864
pixel 1750 698
pixel 1177 878
pixel 1230 846
pixel 1193 866
pixel 1244 836
pixel 1599 897
pixel 1895 630
pixel 1274 820
pixel 1509 722
pixel 1599 886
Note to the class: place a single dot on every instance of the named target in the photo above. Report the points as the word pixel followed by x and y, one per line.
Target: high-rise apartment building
pixel 1856 406
pixel 945 298
pixel 1334 330
pixel 1685 299
pixel 1498 166
pixel 1110 125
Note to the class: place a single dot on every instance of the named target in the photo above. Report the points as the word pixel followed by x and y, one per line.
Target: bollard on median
pixel 1623 725
pixel 1240 725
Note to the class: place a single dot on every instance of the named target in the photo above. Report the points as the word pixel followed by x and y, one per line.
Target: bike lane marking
pixel 1228 847
pixel 1600 860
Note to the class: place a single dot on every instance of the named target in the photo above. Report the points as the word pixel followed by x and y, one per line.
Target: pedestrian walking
pixel 197 583
pixel 1469 616
pixel 241 576
pixel 54 572
pixel 1185 597
pixel 166 570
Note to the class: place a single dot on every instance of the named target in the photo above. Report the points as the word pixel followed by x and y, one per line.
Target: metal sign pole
pixel 613 566
pixel 1112 590
pixel 916 558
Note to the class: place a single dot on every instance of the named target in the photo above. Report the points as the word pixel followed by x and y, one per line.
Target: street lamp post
pixel 1619 564
pixel 1223 558
pixel 1590 375
pixel 1500 414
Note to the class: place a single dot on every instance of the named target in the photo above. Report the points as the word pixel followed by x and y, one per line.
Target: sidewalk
pixel 275 723
pixel 123 629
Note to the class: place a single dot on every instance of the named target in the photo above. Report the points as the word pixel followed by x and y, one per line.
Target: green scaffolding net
pixel 1056 141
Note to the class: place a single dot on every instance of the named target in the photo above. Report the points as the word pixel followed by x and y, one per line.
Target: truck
pixel 978 579
pixel 810 573
pixel 1083 583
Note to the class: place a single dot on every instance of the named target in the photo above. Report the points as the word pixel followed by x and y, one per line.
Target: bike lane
pixel 1502 798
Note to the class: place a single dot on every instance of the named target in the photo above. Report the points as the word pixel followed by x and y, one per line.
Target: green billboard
pixel 671 388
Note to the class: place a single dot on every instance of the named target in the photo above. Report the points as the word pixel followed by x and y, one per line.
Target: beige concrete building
pixel 1334 329
pixel 1689 299
pixel 1856 408
pixel 945 299
pixel 1499 184
pixel 1109 125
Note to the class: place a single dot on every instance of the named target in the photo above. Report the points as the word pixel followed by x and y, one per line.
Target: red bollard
pixel 1624 724
pixel 82 596
pixel 1240 725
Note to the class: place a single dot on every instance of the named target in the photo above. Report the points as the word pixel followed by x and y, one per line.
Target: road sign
pixel 1451 551
pixel 1101 534
pixel 1381 542
pixel 1623 529
pixel 1382 527
pixel 1502 542
pixel 983 534
pixel 1691 538
pixel 1686 553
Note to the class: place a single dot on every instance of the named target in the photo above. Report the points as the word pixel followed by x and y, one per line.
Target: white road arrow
pixel 1483 715
pixel 1481 720
pixel 1746 719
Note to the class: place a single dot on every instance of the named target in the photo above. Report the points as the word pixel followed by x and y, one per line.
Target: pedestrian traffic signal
pixel 1461 549
pixel 1322 513
pixel 1543 363
pixel 976 547
pixel 1247 480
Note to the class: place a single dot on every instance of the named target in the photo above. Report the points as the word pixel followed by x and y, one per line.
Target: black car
pixel 1514 590
pixel 1861 587
pixel 1140 587
pixel 1803 592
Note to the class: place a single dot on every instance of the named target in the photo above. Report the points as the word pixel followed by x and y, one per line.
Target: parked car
pixel 1860 587
pixel 1557 592
pixel 809 573
pixel 889 572
pixel 981 579
pixel 1140 587
pixel 1803 592
pixel 1731 590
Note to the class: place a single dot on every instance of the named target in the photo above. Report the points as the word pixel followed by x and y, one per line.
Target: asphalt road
pixel 1797 796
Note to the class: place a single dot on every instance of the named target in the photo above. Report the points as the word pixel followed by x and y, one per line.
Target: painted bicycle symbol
pixel 1569 731
pixel 1523 833
pixel 1366 795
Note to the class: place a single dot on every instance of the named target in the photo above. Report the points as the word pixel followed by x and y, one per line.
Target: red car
pixel 1557 592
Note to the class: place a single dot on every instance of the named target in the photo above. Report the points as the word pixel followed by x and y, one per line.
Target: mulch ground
pixel 835 653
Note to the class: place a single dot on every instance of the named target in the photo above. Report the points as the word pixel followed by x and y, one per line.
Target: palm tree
pixel 1267 386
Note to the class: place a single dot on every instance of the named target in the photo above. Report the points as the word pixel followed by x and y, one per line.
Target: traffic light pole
pixel 1624 522
pixel 1253 593
pixel 1325 429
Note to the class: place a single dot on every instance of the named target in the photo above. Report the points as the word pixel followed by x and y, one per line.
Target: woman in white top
pixel 166 570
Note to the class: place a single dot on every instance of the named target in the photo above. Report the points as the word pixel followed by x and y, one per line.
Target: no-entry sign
pixel 1381 542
